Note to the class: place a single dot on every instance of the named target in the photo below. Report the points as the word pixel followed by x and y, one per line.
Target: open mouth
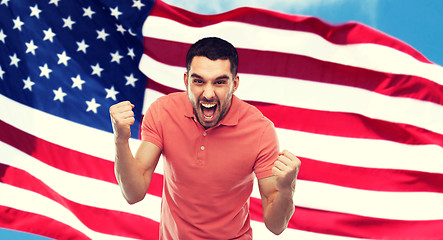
pixel 208 110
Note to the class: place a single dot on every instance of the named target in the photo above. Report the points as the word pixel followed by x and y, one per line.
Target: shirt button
pixel 204 134
pixel 202 148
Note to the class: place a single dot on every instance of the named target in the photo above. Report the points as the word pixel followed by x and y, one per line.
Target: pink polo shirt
pixel 208 174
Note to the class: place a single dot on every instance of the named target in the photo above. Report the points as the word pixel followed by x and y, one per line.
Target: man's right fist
pixel 122 117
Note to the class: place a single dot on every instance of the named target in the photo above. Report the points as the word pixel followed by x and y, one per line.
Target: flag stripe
pixel 294 42
pixel 327 97
pixel 350 33
pixel 331 73
pixel 39 224
pixel 115 223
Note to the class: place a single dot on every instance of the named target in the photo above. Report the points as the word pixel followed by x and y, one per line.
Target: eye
pixel 220 82
pixel 197 81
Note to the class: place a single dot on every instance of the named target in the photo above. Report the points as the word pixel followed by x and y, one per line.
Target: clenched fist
pixel 286 170
pixel 122 118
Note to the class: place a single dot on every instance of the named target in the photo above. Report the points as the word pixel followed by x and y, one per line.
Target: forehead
pixel 204 65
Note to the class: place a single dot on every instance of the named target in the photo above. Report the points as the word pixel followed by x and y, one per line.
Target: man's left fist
pixel 286 169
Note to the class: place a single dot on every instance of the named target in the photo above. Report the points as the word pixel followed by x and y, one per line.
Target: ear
pixel 236 82
pixel 185 79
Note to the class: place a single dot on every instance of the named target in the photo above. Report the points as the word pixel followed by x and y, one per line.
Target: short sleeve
pixel 151 125
pixel 267 153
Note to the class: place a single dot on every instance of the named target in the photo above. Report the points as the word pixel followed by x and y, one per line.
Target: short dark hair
pixel 213 48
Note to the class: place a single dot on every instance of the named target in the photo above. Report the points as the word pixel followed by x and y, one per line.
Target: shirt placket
pixel 202 152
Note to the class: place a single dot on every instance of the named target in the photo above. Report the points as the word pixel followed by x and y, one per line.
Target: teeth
pixel 208 105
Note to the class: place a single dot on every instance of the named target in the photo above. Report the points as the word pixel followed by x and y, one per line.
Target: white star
pixel 115 12
pixel 92 105
pixel 116 57
pixel 97 70
pixel 14 60
pixel 49 35
pixel 120 28
pixel 55 2
pixel 62 58
pixel 131 53
pixel 77 82
pixel 102 34
pixel 28 84
pixel 5 2
pixel 111 93
pixel 88 12
pixel 68 22
pixel 2 36
pixel 130 80
pixel 82 46
pixel 45 71
pixel 30 47
pixel 138 4
pixel 1 72
pixel 59 94
pixel 18 23
pixel 35 11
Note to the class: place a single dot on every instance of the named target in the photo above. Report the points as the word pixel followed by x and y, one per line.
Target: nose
pixel 208 92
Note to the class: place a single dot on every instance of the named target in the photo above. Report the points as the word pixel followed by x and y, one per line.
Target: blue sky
pixel 418 23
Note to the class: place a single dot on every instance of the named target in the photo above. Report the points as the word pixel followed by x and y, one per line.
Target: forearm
pixel 279 211
pixel 129 176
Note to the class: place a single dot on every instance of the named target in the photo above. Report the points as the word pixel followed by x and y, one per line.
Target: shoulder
pixel 249 113
pixel 171 101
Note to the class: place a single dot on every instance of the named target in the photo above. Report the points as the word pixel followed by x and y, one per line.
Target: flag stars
pixel 2 36
pixel 102 35
pixel 92 106
pixel 49 35
pixel 67 22
pixel 130 80
pixel 28 84
pixel 55 2
pixel 96 70
pixel 1 72
pixel 131 53
pixel 31 47
pixel 4 2
pixel 18 23
pixel 120 29
pixel 35 11
pixel 82 46
pixel 115 12
pixel 138 4
pixel 14 60
pixel 116 57
pixel 45 71
pixel 59 94
pixel 77 82
pixel 88 12
pixel 111 93
pixel 62 58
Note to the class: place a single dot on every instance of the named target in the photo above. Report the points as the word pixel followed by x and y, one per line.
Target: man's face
pixel 210 86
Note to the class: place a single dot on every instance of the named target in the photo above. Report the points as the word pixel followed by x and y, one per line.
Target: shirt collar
pixel 231 119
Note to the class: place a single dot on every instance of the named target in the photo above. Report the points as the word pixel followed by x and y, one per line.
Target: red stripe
pixel 97 219
pixel 18 220
pixel 342 224
pixel 335 123
pixel 306 68
pixel 349 33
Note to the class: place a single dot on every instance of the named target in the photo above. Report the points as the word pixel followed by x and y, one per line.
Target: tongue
pixel 208 112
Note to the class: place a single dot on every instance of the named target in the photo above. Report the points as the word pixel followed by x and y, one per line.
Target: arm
pixel 133 174
pixel 277 192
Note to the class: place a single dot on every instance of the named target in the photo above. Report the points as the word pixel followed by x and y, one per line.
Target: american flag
pixel 362 110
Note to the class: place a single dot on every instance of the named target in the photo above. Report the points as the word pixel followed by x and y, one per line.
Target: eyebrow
pixel 222 77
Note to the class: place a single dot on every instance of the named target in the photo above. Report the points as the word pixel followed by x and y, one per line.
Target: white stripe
pixel 35 203
pixel 60 131
pixel 376 204
pixel 83 190
pixel 261 232
pixel 314 95
pixel 359 152
pixel 242 35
